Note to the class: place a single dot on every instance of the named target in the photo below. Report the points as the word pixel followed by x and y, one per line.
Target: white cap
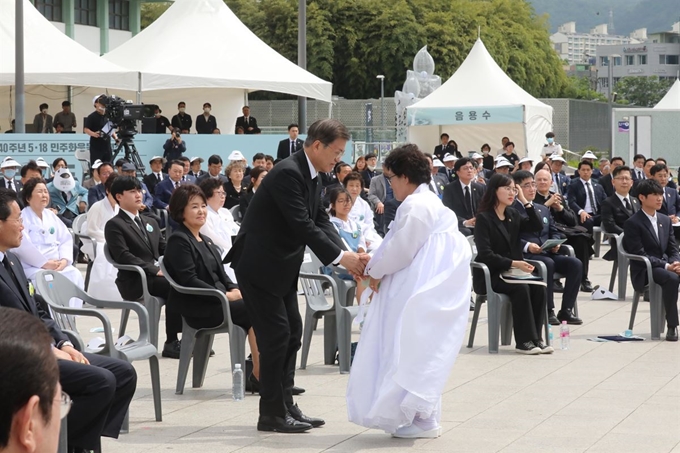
pixel 41 163
pixel 196 158
pixel 477 156
pixel 236 155
pixel 161 158
pixel 10 163
pixel 555 157
pixel 437 163
pixel 526 159
pixel 450 158
pixel 97 163
pixel 499 157
pixel 94 99
pixel 503 163
pixel 589 155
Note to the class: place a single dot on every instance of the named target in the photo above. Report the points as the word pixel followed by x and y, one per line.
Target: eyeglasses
pixel 17 220
pixel 344 201
pixel 509 189
pixel 529 185
pixel 221 193
pixel 64 405
pixel 624 178
pixel 389 178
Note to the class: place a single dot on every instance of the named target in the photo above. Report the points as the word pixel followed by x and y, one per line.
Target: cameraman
pixel 174 146
pixel 100 129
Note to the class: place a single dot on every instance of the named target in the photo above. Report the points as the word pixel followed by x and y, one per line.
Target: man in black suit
pixel 441 150
pixel 247 122
pixel 448 169
pixel 554 261
pixel 370 172
pixel 341 171
pixel 9 168
pixel 648 233
pixel 638 167
pixel 137 240
pixel 100 387
pixel 214 170
pixel 164 189
pixel 156 163
pixel 98 192
pixel 289 145
pixel 463 195
pixel 182 120
pixel 671 201
pixel 606 181
pixel 206 123
pixel 619 207
pixel 560 180
pixel 284 217
pixel 586 196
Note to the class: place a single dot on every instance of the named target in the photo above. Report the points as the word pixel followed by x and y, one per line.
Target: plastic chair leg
pixel 88 272
pixel 494 316
pixel 575 311
pixel 201 357
pixel 344 327
pixel 656 312
pixel 307 337
pixel 124 316
pixel 156 387
pixel 330 338
pixel 475 318
pixel 633 310
pixel 506 324
pixel 154 310
pixel 612 279
pixel 623 269
pixel 63 436
pixel 237 347
pixel 188 341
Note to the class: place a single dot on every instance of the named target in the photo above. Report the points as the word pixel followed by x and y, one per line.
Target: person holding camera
pixel 174 146
pixel 99 128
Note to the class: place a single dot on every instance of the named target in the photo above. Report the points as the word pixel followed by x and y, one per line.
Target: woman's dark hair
pixel 335 193
pixel 539 166
pixel 56 162
pixel 28 367
pixel 356 164
pixel 490 199
pixel 209 186
pixel 123 184
pixel 255 174
pixel 508 144
pixel 109 182
pixel 180 199
pixel 485 145
pixel 354 176
pixel 454 144
pixel 409 161
pixel 29 187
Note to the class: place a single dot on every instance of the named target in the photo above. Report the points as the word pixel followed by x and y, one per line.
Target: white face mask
pixel 206 110
pixel 485 152
pixel 158 115
pixel 181 110
pixel 371 167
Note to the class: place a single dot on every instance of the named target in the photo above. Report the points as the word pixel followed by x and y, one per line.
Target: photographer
pixel 174 146
pixel 99 128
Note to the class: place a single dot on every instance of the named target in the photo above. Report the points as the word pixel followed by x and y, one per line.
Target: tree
pixel 152 11
pixel 581 88
pixel 641 91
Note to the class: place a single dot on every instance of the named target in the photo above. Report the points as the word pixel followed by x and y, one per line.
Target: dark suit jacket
pixel 671 202
pixel 564 182
pixel 454 200
pixel 204 126
pixel 444 171
pixel 244 202
pixel 577 195
pixel 233 197
pixel 606 183
pixel 283 150
pixel 440 153
pixel 38 122
pixel 151 181
pixel 185 262
pixel 20 299
pixel 368 175
pixel 639 239
pixel 252 122
pixel 96 193
pixel 284 217
pixel 549 231
pixel 127 246
pixel 205 176
pixel 17 184
pixel 163 192
pixel 614 213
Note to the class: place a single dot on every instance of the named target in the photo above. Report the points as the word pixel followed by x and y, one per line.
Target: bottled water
pixel 550 334
pixel 564 335
pixel 237 383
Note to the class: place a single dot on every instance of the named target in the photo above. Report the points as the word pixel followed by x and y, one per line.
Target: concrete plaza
pixel 594 397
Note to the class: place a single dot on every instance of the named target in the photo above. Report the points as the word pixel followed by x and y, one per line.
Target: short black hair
pixel 180 199
pixel 353 176
pixel 649 159
pixel 460 163
pixel 269 158
pixel 662 159
pixel 522 175
pixel 181 103
pixel 540 166
pixel 123 184
pixel 657 168
pixel 7 196
pixel 370 156
pixel 43 106
pixel 57 124
pixel 258 156
pixel 549 135
pixel 121 161
pixel 648 187
pixel 29 187
pixel 508 144
pixel 255 174
pixel 175 162
pixel 208 104
pixel 620 169
pixel 623 162
pixel 339 166
pixel 639 156
pixel 183 159
pixel 209 186
pixel 407 160
pixel 57 161
pixel 214 159
pixel 109 182
pixel 31 165
pixel 108 164
pixel 66 104
pixel 485 145
pixel 29 367
pixel 585 162
pixel 444 135
pixel 335 193
pixel 292 125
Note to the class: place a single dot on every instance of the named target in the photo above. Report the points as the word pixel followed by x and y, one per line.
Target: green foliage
pixel 581 88
pixel 152 11
pixel 641 91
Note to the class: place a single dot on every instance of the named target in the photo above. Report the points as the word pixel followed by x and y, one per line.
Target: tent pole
pixel 20 123
pixel 302 62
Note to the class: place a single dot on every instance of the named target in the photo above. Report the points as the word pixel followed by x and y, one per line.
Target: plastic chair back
pixel 236 213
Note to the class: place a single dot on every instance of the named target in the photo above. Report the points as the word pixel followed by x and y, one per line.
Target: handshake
pixel 355 263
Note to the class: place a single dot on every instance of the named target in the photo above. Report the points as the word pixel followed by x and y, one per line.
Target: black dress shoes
pixel 297 390
pixel 558 287
pixel 567 315
pixel 285 424
pixel 672 334
pixel 552 319
pixel 171 350
pixel 586 286
pixel 295 412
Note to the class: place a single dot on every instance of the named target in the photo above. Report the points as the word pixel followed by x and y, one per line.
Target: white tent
pixel 51 57
pixel 672 99
pixel 480 104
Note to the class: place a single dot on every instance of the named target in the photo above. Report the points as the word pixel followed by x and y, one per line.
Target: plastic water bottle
pixel 237 383
pixel 564 335
pixel 550 333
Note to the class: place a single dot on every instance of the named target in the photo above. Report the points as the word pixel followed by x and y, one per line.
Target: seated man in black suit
pixel 247 122
pixel 137 240
pixel 98 192
pixel 164 189
pixel 619 207
pixel 463 195
pixel 586 197
pixel 100 387
pixel 289 145
pixel 670 182
pixel 648 233
pixel 156 163
pixel 554 261
pixel 606 180
pixel 671 200
pixel 214 170
pixel 439 180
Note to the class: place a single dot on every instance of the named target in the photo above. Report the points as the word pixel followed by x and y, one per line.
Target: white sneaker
pixel 415 432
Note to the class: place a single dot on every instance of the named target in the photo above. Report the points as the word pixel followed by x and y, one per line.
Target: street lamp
pixel 382 100
pixel 611 101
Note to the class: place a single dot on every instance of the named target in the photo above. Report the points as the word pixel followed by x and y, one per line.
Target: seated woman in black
pixel 497 232
pixel 257 174
pixel 192 260
pixel 234 188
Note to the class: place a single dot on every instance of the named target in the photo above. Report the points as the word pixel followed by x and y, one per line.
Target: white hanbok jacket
pixel 363 214
pixel 415 324
pixel 220 227
pixel 103 275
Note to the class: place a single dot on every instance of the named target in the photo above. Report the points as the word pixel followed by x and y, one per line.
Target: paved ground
pixel 594 397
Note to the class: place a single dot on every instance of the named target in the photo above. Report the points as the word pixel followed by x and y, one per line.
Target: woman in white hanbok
pixel 415 325
pixel 103 275
pixel 219 225
pixel 46 243
pixel 361 210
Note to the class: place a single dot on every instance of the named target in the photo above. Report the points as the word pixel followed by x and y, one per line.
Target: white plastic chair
pixel 79 234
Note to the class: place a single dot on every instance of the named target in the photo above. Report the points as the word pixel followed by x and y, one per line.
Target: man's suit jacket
pixel 57 200
pixel 606 183
pixel 204 126
pixel 450 177
pixel 127 246
pixel 96 194
pixel 252 122
pixel 196 176
pixel 639 238
pixel 182 121
pixel 549 231
pixel 440 152
pixel 671 202
pixel 151 181
pixel 563 183
pixel 17 185
pixel 147 197
pixel 185 260
pixel 20 298
pixel 454 199
pixel 284 217
pixel 202 178
pixel 163 192
pixel 368 175
pixel 577 195
pixel 377 191
pixel 38 122
pixel 283 150
pixel 614 216
pixel 634 174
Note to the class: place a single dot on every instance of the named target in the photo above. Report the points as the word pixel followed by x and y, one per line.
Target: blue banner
pixel 446 116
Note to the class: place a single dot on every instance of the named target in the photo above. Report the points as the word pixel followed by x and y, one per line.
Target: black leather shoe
pixel 297 390
pixel 297 414
pixel 285 424
pixel 672 334
pixel 171 350
pixel 586 286
pixel 472 305
pixel 567 315
pixel 558 287
pixel 552 319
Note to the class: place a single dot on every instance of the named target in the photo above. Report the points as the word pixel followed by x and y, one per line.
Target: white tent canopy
pixel 480 104
pixel 51 57
pixel 202 44
pixel 672 99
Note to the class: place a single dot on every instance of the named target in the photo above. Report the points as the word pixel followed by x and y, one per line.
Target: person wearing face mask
pixel 99 128
pixel 487 159
pixel 182 120
pixel 551 148
pixel 206 123
pixel 9 170
pixel 162 123
pixel 370 172
pixel 42 123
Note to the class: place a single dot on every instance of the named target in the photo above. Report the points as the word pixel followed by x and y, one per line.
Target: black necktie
pixel 628 207
pixel 158 177
pixel 593 206
pixel 64 196
pixel 468 201
pixel 177 184
pixel 140 225
pixel 557 183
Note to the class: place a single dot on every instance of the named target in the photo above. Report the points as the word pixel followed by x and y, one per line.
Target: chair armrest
pixel 542 270
pixel 132 268
pixel 324 279
pixel 569 249
pixel 640 258
pixel 90 312
pixel 487 275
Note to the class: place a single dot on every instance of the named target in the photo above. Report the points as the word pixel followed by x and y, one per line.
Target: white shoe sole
pixel 547 350
pixel 534 351
pixel 430 434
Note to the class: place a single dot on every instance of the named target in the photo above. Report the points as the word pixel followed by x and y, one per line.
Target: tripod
pixel 131 155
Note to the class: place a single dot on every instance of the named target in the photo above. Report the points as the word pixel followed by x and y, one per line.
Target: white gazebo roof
pixel 672 99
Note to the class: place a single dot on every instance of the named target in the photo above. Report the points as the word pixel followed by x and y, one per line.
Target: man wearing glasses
pixel 463 195
pixel 101 387
pixel 619 207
